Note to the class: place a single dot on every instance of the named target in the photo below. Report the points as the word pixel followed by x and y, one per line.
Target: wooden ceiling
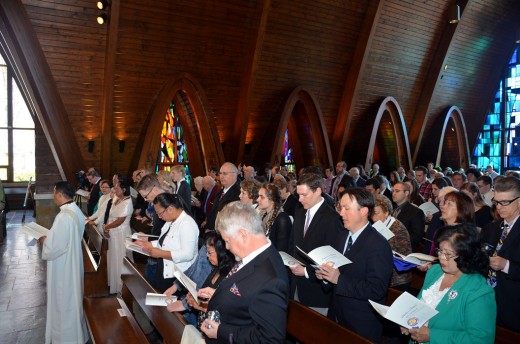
pixel 248 56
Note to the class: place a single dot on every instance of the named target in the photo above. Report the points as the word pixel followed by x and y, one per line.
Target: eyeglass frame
pixel 438 252
pixel 503 203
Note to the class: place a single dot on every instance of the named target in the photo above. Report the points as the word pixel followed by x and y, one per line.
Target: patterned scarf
pixel 268 218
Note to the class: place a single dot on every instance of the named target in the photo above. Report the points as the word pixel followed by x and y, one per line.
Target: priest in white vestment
pixel 62 251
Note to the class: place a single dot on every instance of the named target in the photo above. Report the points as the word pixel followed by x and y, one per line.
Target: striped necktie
pixel 492 274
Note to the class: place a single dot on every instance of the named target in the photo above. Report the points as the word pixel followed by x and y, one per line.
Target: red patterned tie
pixel 234 269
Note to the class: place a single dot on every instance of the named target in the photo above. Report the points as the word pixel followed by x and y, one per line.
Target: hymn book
pixel 186 282
pixel 415 258
pixel 406 311
pixel 289 260
pixel 428 208
pixel 143 236
pixel 162 300
pixel 383 230
pixel 34 230
pixel 136 248
pixel 325 255
pixel 82 192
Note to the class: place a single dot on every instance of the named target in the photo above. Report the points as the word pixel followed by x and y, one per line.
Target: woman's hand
pixel 404 331
pixel 420 335
pixel 193 304
pixel 210 328
pixel 175 307
pixel 171 290
pixel 424 267
pixel 206 293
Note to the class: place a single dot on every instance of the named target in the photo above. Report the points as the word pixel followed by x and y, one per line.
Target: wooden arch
pixel 462 136
pixel 390 105
pixel 308 132
pixel 200 132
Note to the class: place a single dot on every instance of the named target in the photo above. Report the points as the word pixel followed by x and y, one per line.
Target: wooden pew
pixel 169 325
pixel 106 325
pixel 308 326
pixel 505 336
pixel 96 271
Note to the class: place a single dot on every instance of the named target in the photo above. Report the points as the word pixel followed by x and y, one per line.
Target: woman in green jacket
pixel 456 288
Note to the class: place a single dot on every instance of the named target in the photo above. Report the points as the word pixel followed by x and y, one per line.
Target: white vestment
pixel 62 251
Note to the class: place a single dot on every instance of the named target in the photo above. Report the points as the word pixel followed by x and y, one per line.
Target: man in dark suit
pixel 230 192
pixel 411 216
pixel 93 177
pixel 315 224
pixel 504 261
pixel 354 173
pixel 341 172
pixel 252 300
pixel 368 276
pixel 212 190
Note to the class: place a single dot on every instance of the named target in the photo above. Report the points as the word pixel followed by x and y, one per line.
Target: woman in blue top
pixel 456 288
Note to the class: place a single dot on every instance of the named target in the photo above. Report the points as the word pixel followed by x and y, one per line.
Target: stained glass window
pixel 287 153
pixel 173 150
pixel 490 146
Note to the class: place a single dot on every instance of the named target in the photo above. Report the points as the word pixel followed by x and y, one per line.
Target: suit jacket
pixel 230 196
pixel 323 230
pixel 368 277
pixel 184 191
pixel 466 313
pixel 360 183
pixel 280 232
pixel 94 198
pixel 507 290
pixel 414 220
pixel 334 181
pixel 211 199
pixel 253 302
pixel 290 205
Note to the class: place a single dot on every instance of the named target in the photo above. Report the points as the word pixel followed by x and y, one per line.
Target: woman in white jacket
pixel 98 218
pixel 177 244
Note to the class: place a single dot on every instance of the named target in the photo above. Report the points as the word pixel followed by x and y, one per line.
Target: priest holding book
pixel 369 274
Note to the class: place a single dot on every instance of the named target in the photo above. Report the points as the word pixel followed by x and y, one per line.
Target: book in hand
pixel 34 230
pixel 289 260
pixel 143 236
pixel 406 311
pixel 133 192
pixel 383 230
pixel 136 248
pixel 82 192
pixel 403 263
pixel 162 300
pixel 428 208
pixel 325 255
pixel 186 282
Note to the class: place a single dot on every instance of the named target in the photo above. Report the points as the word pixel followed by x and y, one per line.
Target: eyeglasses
pixel 447 256
pixel 394 190
pixel 162 212
pixel 209 253
pixel 503 203
pixel 149 192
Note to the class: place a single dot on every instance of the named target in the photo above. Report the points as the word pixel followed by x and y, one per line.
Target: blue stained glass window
pixel 287 153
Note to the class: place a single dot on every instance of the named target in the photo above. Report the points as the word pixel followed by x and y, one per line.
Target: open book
pixel 325 255
pixel 143 236
pixel 82 192
pixel 186 282
pixel 429 208
pixel 159 299
pixel 383 230
pixel 136 248
pixel 34 230
pixel 406 311
pixel 289 260
pixel 415 258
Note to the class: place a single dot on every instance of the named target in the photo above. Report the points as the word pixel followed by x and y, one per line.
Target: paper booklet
pixel 325 255
pixel 429 208
pixel 289 260
pixel 383 230
pixel 406 311
pixel 415 258
pixel 143 236
pixel 133 192
pixel 136 248
pixel 159 299
pixel 82 192
pixel 186 282
pixel 34 230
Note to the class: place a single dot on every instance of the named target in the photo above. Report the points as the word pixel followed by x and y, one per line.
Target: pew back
pixel 96 272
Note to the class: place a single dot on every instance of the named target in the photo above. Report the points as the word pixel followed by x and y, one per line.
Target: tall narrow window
pixel 16 130
pixel 173 149
pixel 287 154
pixel 500 136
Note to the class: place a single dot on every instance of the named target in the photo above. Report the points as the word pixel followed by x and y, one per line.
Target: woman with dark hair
pixel 249 192
pixel 483 214
pixel 116 229
pixel 457 207
pixel 177 243
pixel 394 178
pixel 277 224
pixel 222 261
pixel 437 185
pixel 415 196
pixel 457 290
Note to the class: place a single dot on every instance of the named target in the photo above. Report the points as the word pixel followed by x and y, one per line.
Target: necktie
pixel 492 274
pixel 336 186
pixel 234 269
pixel 349 244
pixel 307 222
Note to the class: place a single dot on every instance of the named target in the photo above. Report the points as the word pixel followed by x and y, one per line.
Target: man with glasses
pixel 230 192
pixel 504 261
pixel 485 185
pixel 411 216
pixel 341 172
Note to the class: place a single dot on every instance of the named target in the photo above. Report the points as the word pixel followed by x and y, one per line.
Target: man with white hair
pixel 230 192
pixel 252 300
pixel 354 173
pixel 249 173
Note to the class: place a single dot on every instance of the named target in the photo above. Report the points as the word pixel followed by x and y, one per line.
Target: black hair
pixel 373 182
pixel 226 260
pixel 166 200
pixel 124 186
pixel 65 188
pixel 474 172
pixel 465 241
pixel 364 198
pixel 440 182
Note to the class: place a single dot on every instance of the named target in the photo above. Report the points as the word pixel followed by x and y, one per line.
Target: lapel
pixel 453 296
pixel 314 222
pixel 512 237
pixel 358 246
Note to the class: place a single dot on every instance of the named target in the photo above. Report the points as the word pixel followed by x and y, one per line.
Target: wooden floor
pixel 22 286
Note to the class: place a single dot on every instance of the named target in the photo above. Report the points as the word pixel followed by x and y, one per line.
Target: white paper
pixel 429 208
pixel 416 258
pixel 136 248
pixel 383 230
pixel 34 230
pixel 82 192
pixel 326 255
pixel 406 311
pixel 162 300
pixel 186 282
pixel 121 312
pixel 133 192
pixel 142 236
pixel 289 260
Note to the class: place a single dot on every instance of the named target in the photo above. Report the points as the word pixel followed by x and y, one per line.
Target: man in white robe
pixel 62 250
